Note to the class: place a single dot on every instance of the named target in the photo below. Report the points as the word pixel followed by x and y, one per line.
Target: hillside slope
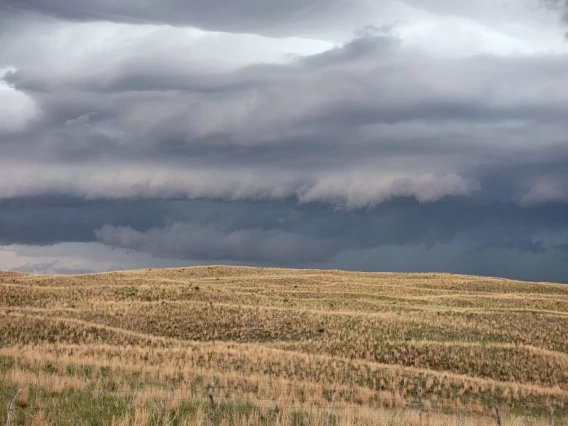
pixel 286 337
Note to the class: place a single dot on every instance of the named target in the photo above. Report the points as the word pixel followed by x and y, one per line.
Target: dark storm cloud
pixel 280 233
pixel 49 220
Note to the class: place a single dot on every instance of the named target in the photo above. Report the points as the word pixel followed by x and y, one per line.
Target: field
pixel 142 347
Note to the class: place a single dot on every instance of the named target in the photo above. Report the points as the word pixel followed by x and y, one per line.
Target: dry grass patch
pixel 143 345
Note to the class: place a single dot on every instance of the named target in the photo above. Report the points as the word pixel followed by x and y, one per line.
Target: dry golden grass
pixel 140 347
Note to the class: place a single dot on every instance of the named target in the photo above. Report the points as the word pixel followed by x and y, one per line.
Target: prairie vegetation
pixel 141 347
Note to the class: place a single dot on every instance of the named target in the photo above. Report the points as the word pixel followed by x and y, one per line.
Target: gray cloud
pixel 193 241
pixel 273 18
pixel 519 245
pixel 561 5
pixel 278 18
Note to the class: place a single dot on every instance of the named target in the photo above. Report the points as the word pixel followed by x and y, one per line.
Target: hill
pixel 140 347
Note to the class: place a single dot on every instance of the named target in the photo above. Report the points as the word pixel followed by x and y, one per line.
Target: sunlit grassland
pixel 144 345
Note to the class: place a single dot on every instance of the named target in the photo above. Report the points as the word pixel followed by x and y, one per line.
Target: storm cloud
pixel 265 133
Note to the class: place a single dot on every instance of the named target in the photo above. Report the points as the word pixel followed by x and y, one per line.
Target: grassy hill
pixel 141 347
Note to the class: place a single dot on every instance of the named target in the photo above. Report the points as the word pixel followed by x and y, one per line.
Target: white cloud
pixel 16 108
pixel 345 188
pixel 545 191
pixel 78 258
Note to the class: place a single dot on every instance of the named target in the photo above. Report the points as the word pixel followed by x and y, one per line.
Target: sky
pixel 392 135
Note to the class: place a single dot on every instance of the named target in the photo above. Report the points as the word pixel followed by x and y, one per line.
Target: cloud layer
pixel 354 126
pixel 250 106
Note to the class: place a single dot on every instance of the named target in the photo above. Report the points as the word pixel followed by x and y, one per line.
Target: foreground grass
pixel 140 347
